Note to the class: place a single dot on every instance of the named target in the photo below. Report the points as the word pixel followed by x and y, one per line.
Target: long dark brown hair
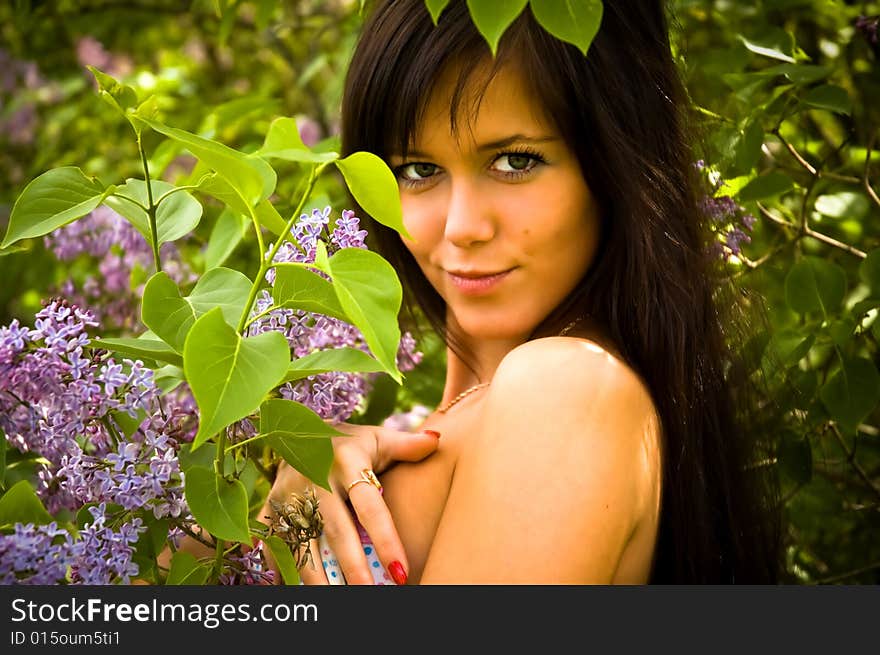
pixel 652 283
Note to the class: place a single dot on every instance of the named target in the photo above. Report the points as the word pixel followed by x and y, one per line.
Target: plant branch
pixel 850 455
pixel 865 180
pixel 151 210
pixel 849 574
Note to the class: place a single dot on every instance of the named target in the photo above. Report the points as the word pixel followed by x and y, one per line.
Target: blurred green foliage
pixel 787 95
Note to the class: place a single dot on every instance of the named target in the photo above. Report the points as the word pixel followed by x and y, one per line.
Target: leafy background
pixel 787 97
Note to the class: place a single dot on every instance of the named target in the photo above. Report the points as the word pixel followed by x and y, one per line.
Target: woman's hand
pixel 368 447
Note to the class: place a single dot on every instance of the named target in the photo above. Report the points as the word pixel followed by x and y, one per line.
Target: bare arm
pixel 552 487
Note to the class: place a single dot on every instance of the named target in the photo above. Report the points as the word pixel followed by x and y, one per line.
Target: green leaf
pixel 171 316
pixel 435 8
pixel 20 504
pixel 300 436
pixel 748 148
pixel 796 458
pixel 284 142
pixel 116 94
pixel 168 377
pixel 829 97
pixel 374 187
pixel 572 21
pixel 841 331
pixel 226 234
pixel 297 287
pixel 370 294
pixel 773 42
pixel 869 270
pixel 221 287
pixel 218 505
pixel 844 204
pixel 249 176
pixel 799 73
pixel 141 349
pixel 492 18
pixel 178 215
pixel 229 376
pixel 266 214
pixel 165 312
pixel 790 346
pixel 149 546
pixel 283 559
pixel 814 284
pixel 186 570
pixel 53 200
pixel 852 393
pixel 770 185
pixel 334 359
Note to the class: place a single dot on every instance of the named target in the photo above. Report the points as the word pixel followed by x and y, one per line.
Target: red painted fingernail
pixel 397 572
pixel 432 433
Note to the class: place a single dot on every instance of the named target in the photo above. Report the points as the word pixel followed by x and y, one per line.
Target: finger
pixel 342 540
pixel 375 519
pixel 312 572
pixel 394 445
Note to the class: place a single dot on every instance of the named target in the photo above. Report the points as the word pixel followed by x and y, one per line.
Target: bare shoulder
pixel 570 376
pixel 568 438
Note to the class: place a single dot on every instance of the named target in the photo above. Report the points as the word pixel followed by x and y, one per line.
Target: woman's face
pixel 503 223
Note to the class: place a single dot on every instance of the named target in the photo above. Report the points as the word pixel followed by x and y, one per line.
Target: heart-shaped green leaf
pixel 435 8
pixel 249 176
pixel 229 376
pixel 20 504
pixel 171 316
pixel 492 18
pixel 573 21
pixel 370 294
pixel 814 284
pixel 296 287
pixel 766 186
pixel 284 142
pixel 53 200
pixel 220 506
pixel 178 215
pixel 852 393
pixel 374 187
pixel 334 359
pixel 186 570
pixel 829 97
pixel 141 349
pixel 300 436
pixel 266 214
pixel 283 559
pixel 226 234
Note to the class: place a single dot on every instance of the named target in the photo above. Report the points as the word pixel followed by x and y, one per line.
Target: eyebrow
pixel 499 143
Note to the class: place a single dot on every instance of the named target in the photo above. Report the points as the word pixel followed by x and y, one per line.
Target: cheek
pixel 422 221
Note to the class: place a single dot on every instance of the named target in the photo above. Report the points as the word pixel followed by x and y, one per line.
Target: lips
pixel 477 282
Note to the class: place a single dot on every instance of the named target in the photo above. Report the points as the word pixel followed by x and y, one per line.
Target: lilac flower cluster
pixel 869 26
pixel 47 554
pixel 118 250
pixel 729 220
pixel 70 403
pixel 19 80
pixel 333 395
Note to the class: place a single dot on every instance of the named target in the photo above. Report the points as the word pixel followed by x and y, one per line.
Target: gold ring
pixel 367 476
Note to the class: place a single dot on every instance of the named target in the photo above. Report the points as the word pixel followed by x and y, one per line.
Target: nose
pixel 469 215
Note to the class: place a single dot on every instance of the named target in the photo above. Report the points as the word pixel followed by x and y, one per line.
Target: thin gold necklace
pixel 467 392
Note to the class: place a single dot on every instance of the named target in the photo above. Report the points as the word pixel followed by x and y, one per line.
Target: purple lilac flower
pixel 869 26
pixel 729 220
pixel 102 555
pixel 333 395
pixel 35 555
pixel 61 399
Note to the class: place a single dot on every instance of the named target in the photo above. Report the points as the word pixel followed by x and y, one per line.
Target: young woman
pixel 589 430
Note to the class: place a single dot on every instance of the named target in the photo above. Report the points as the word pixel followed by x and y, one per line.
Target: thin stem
pixel 245 442
pixel 865 179
pixel 810 232
pixel 850 455
pixel 151 210
pixel 267 262
pixel 131 200
pixel 849 574
pixel 187 187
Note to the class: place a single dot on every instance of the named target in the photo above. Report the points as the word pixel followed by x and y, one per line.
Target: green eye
pixel 424 170
pixel 519 162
